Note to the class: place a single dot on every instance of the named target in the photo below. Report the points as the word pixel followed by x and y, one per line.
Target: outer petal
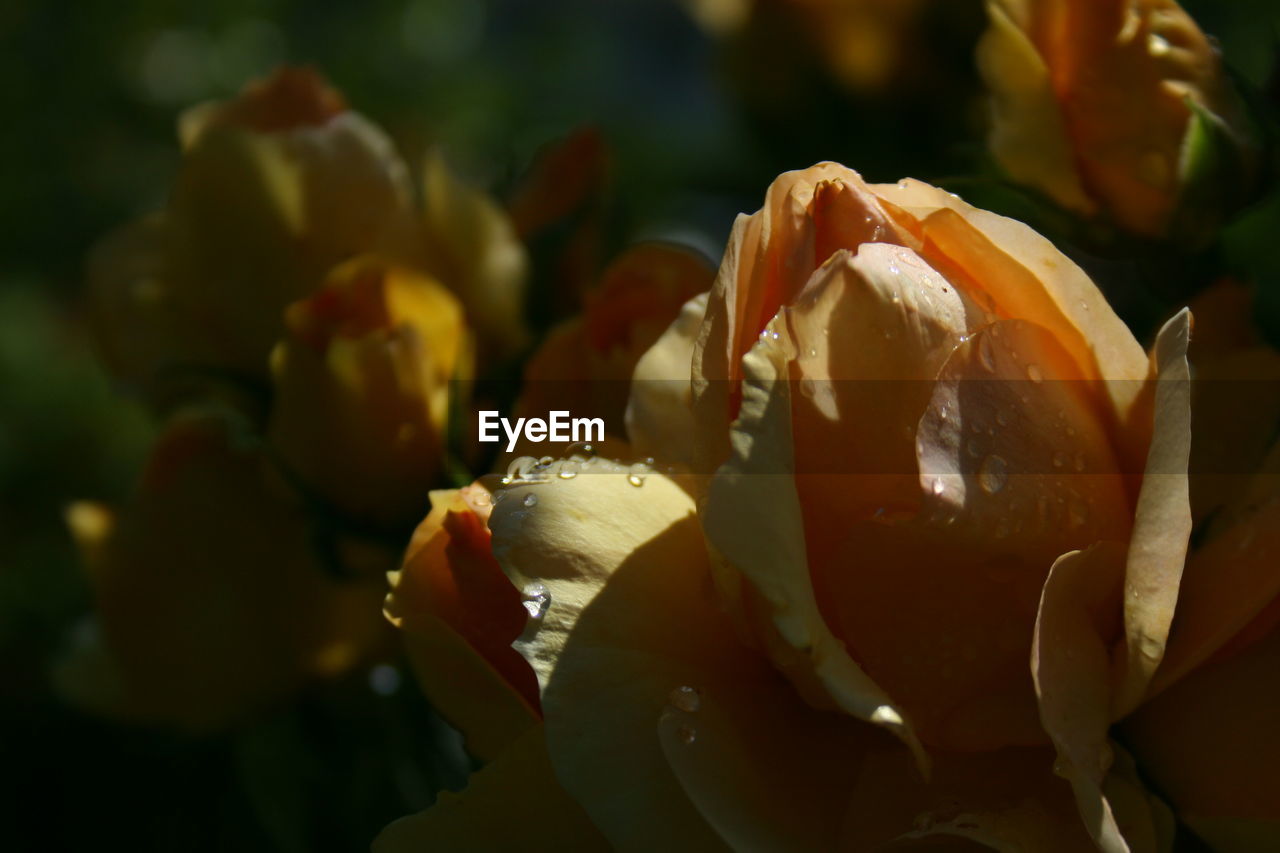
pixel 1028 136
pixel 753 518
pixel 1025 276
pixel 1162 520
pixel 659 414
pixel 512 803
pixel 458 615
pixel 475 251
pixel 606 680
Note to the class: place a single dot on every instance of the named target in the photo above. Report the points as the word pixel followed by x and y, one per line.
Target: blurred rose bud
pixel 275 187
pixel 362 383
pixel 472 247
pixel 1118 110
pixel 209 605
pixel 559 209
pixel 585 365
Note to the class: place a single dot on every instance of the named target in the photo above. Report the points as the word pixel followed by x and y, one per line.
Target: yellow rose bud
pixel 208 602
pixel 362 381
pixel 275 187
pixel 1117 109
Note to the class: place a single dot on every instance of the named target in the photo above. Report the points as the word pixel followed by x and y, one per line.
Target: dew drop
pixel 530 500
pixel 536 599
pixel 568 469
pixel 1034 374
pixel 993 474
pixel 686 699
pixel 688 734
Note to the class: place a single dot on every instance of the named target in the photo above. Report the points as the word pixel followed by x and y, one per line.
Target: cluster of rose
pixel 923 546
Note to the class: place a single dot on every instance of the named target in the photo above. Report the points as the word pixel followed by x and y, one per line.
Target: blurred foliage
pixel 90 93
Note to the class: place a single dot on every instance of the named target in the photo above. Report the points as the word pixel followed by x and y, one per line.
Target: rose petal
pixel 753 518
pixel 1026 277
pixel 608 654
pixel 1028 136
pixel 458 615
pixel 1162 521
pixel 513 803
pixel 1075 629
pixel 1005 800
pixel 659 414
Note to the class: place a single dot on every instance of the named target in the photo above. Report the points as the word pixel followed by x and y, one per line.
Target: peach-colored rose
pixel 1107 107
pixel 945 494
pixel 209 602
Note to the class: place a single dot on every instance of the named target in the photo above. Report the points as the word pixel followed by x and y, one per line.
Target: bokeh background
pixel 695 124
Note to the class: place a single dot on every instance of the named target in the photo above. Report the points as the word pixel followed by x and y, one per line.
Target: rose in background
pixel 860 557
pixel 292 284
pixel 1120 112
pixel 585 364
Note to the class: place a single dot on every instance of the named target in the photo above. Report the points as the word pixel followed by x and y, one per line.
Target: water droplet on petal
pixel 1034 374
pixel 530 500
pixel 993 474
pixel 686 699
pixel 688 734
pixel 536 600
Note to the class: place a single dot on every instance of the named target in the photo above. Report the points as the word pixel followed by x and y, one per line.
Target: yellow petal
pixel 475 251
pixel 1071 665
pixel 514 802
pixel 659 416
pixel 611 559
pixel 1162 520
pixel 1028 137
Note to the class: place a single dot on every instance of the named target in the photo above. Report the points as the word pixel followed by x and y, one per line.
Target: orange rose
pixel 1119 109
pixel 910 546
